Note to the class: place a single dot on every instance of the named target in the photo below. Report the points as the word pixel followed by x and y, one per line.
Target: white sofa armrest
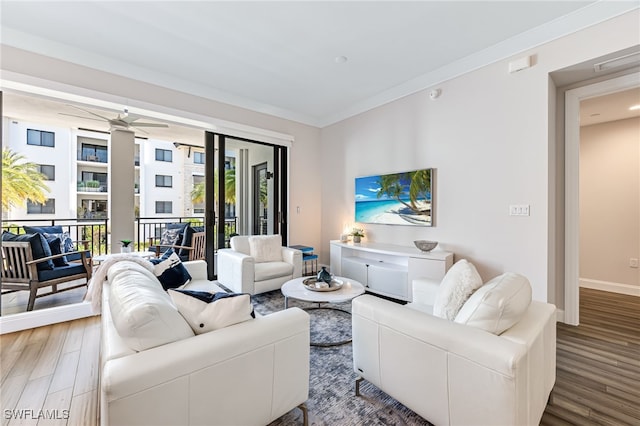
pixel 197 269
pixel 176 382
pixel 236 271
pixel 293 257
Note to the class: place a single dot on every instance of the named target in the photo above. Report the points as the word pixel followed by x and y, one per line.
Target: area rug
pixel 332 400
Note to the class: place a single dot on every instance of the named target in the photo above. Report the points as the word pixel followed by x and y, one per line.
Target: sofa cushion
pixel 170 271
pixel 269 270
pixel 141 310
pixel 211 311
pixel 497 305
pixel 266 248
pixel 460 281
pixel 39 247
pixel 66 243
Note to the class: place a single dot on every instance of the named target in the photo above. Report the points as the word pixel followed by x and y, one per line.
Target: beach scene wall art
pixel 395 198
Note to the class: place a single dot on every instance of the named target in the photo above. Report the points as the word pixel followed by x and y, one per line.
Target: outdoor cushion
pixel 39 247
pixel 186 240
pixel 173 234
pixel 55 247
pixel 61 271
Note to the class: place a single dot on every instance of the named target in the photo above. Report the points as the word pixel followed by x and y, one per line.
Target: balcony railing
pixel 92 186
pixel 94 232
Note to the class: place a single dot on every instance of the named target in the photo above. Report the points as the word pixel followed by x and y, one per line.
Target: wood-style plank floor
pixel 52 371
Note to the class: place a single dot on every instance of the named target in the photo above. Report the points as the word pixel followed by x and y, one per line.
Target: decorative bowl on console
pixel 425 245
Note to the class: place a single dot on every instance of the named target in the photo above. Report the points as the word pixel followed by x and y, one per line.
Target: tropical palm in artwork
pixel 419 189
pixel 198 192
pixel 21 181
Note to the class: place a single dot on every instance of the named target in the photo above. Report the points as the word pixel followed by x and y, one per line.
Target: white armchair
pixel 256 264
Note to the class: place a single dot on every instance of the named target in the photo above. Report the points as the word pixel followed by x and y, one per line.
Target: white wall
pixel 489 136
pixel 610 202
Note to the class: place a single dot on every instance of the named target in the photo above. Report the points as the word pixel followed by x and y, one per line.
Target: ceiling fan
pixel 125 121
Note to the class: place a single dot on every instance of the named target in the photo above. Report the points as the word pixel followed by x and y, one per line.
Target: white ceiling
pixel 279 57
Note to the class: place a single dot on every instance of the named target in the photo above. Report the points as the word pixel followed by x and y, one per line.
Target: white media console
pixel 387 269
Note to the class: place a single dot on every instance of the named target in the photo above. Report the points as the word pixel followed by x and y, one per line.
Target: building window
pixel 198 157
pixel 164 207
pixel 163 181
pixel 48 171
pixel 49 207
pixel 96 153
pixel 164 155
pixel 41 138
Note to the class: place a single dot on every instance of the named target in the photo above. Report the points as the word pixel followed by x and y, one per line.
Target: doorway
pixel 249 187
pixel 573 99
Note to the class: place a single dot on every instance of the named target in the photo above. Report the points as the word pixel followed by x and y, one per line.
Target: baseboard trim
pixel 620 288
pixel 560 315
pixel 27 320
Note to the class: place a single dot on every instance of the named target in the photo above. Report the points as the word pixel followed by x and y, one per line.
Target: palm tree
pixel 21 181
pixel 198 191
pixel 393 185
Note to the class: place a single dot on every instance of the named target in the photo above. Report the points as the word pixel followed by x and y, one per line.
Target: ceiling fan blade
pixel 89 112
pixel 134 124
pixel 80 116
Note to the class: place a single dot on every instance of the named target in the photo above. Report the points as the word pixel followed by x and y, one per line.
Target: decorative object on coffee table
pixel 425 245
pixel 315 284
pixel 324 275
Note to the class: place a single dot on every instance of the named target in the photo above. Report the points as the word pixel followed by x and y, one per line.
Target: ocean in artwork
pixel 369 208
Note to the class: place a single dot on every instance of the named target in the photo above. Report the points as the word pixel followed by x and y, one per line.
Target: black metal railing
pixel 94 232
pixel 89 232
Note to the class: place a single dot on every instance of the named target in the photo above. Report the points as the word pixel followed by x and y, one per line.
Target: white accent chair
pixel 452 372
pixel 257 264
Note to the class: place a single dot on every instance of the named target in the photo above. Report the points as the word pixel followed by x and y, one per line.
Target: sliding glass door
pixel 246 191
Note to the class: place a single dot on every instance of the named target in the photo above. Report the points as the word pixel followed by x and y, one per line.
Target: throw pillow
pixel 266 248
pixel 66 243
pixel 186 239
pixel 211 311
pixel 172 234
pixel 170 271
pixel 498 305
pixel 39 247
pixel 55 247
pixel 460 281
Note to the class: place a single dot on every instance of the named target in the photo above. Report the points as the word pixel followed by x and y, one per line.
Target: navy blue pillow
pixel 170 271
pixel 54 246
pixel 173 234
pixel 66 242
pixel 188 236
pixel 39 247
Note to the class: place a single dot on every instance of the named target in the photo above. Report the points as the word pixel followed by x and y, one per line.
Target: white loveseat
pixel 249 373
pixel 257 264
pixel 452 373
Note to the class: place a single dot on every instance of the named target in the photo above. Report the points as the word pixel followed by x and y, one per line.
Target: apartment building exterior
pixel 77 165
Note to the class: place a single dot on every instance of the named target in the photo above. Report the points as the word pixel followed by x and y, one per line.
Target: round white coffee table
pixel 294 289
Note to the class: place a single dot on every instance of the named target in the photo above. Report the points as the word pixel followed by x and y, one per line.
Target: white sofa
pixel 257 264
pixel 452 373
pixel 249 373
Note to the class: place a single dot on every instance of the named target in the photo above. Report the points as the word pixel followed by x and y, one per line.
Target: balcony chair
pixel 256 264
pixel 187 241
pixel 27 266
pixel 70 248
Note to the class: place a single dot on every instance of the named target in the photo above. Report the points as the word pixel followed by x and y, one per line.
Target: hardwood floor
pixel 598 364
pixel 53 371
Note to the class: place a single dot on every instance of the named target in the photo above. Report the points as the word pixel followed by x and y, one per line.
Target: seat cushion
pixel 61 271
pixel 460 281
pixel 266 248
pixel 142 311
pixel 269 270
pixel 497 305
pixel 39 247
